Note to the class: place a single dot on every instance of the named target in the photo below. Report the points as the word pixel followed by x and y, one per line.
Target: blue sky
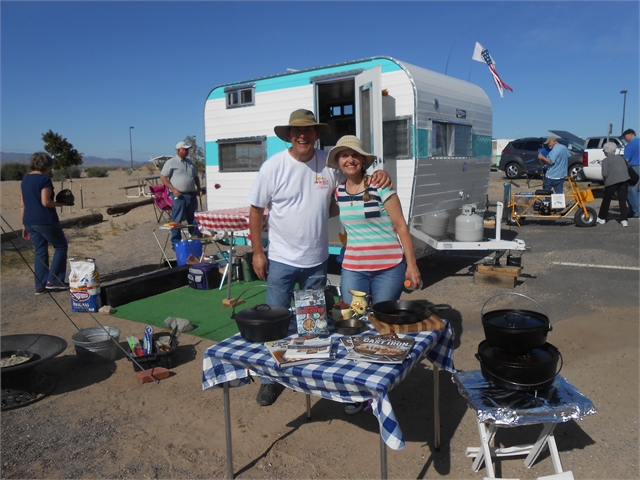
pixel 90 70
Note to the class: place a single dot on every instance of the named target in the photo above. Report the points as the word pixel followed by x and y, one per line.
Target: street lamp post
pixel 131 148
pixel 624 106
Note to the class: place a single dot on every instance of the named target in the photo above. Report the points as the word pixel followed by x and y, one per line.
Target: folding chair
pixel 535 168
pixel 161 202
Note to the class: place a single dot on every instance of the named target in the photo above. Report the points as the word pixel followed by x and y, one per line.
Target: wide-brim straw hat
pixel 346 142
pixel 301 118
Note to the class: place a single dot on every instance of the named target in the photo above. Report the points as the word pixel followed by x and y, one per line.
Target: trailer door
pixel 368 87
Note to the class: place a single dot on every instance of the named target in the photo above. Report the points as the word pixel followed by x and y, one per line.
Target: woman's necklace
pixel 355 194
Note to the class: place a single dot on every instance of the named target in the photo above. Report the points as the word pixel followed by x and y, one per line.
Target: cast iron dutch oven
pixel 403 312
pixel 516 331
pixel 534 371
pixel 262 323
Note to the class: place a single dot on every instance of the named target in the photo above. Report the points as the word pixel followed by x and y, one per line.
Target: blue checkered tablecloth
pixel 233 360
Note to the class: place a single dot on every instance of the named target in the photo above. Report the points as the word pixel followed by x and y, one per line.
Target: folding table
pixel 232 361
pixel 497 407
pixel 231 221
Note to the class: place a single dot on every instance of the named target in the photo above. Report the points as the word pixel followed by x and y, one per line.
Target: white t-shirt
pixel 298 195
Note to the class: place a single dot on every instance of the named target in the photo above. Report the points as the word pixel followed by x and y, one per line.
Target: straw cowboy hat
pixel 301 118
pixel 346 142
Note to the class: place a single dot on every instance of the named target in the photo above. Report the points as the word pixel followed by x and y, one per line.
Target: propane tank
pixel 435 224
pixel 469 226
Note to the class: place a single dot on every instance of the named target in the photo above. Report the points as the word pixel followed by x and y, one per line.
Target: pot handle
pixel 233 310
pixel 518 294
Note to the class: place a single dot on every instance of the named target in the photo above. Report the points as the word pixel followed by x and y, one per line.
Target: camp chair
pixel 161 202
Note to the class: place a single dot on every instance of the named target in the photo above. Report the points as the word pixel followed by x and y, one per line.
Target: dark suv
pixel 521 156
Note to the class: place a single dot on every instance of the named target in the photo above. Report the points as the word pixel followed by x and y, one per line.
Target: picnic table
pixel 141 185
pixel 232 361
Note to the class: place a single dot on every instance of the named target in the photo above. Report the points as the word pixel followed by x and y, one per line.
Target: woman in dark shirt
pixel 41 224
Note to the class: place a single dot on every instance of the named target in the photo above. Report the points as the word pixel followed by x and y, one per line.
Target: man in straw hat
pixel 296 184
pixel 180 176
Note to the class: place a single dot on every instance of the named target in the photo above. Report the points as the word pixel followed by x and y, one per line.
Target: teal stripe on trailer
pixel 302 78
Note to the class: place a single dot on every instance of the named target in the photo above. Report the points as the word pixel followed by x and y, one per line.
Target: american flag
pixel 481 54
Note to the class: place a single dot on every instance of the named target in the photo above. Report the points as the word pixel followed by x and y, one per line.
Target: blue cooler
pixel 186 248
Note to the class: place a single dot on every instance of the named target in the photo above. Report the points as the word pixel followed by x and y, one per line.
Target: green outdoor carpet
pixel 203 308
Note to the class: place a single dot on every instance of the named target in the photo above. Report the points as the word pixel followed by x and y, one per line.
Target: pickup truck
pixel 593 155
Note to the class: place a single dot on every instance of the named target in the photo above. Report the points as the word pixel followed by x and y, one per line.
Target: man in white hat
pixel 180 176
pixel 296 184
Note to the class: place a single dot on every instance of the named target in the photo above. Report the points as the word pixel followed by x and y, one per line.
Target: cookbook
pixel 311 312
pixel 277 349
pixel 309 346
pixel 377 348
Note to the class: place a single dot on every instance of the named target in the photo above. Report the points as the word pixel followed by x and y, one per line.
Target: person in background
pixel 379 254
pixel 41 225
pixel 616 177
pixel 558 159
pixel 180 176
pixel 296 184
pixel 631 154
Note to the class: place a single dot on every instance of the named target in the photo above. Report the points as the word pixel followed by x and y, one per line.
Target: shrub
pixel 97 172
pixel 73 172
pixel 14 171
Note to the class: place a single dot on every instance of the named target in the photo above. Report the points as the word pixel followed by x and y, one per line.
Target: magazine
pixel 278 347
pixel 311 312
pixel 309 346
pixel 378 348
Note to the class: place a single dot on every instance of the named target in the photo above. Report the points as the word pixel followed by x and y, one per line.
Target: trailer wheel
pixel 588 220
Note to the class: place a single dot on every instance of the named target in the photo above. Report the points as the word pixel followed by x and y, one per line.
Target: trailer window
pixel 242 154
pixel 241 96
pixel 396 137
pixel 451 140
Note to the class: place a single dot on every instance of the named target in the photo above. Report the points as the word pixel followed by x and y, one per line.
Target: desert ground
pixel 100 423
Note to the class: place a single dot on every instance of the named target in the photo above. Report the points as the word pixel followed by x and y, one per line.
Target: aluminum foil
pixel 559 403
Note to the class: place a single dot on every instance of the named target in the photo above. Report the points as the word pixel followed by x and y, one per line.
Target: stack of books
pixel 301 349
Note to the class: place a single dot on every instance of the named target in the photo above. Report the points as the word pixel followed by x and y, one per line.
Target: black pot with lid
pixel 515 330
pixel 262 323
pixel 515 354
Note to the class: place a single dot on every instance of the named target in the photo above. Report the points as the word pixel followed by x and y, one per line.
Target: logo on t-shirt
pixel 322 183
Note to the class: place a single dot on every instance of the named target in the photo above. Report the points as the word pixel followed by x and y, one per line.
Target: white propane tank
pixel 435 224
pixel 469 226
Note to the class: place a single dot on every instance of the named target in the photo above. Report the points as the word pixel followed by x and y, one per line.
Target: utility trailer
pixel 430 132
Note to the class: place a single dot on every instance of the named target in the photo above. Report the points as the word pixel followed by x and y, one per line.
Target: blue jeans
pixel 184 208
pixel 555 184
pixel 284 277
pixel 633 197
pixel 42 236
pixel 382 285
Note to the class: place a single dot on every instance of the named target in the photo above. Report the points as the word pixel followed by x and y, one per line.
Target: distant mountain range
pixel 88 160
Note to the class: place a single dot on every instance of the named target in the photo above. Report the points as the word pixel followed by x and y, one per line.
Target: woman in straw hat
pixel 379 255
pixel 374 261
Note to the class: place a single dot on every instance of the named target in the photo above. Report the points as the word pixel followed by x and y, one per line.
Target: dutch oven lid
pixel 516 319
pixel 547 353
pixel 262 313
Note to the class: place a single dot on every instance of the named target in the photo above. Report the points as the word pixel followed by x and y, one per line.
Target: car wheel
pixel 576 172
pixel 512 170
pixel 583 220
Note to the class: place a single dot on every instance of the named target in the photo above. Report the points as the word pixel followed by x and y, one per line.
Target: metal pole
pixel 131 148
pixel 624 105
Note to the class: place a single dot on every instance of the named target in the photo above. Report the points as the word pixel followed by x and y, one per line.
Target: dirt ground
pixel 100 423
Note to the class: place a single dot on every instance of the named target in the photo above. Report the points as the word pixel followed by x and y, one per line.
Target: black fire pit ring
pixel 41 347
pixel 23 384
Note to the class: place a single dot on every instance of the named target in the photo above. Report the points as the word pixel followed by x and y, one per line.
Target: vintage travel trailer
pixel 430 132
